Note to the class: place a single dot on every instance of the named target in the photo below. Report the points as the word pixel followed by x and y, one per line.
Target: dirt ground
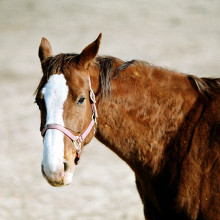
pixel 182 35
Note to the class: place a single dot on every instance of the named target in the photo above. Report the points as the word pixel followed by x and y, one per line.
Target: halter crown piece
pixel 77 140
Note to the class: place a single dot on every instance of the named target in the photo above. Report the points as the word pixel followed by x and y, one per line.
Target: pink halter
pixel 77 140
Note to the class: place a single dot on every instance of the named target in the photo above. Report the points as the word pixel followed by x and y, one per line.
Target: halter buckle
pixel 94 110
pixel 92 96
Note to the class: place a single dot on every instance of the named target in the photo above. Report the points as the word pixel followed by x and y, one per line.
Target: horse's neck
pixel 146 109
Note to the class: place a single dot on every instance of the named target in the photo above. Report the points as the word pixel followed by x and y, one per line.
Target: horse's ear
pixel 45 49
pixel 90 52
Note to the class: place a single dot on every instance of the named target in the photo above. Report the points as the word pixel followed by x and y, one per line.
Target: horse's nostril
pixel 66 166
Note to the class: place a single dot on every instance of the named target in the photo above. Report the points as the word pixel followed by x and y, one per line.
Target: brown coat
pixel 165 125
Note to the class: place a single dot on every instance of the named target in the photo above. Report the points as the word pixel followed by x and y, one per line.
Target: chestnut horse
pixel 165 125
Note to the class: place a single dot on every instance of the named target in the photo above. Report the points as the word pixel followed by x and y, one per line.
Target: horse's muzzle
pixel 60 177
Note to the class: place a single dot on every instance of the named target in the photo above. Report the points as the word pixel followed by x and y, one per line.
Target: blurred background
pixel 180 35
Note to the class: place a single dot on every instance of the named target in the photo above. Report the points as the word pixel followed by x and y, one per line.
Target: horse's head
pixel 67 107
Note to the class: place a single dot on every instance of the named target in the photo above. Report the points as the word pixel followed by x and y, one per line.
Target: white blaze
pixel 55 94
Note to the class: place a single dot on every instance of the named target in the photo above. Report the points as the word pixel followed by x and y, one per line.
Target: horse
pixel 164 124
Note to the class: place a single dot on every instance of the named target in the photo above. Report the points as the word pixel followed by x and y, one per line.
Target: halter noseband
pixel 77 140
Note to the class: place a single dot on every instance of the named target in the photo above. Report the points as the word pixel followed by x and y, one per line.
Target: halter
pixel 77 140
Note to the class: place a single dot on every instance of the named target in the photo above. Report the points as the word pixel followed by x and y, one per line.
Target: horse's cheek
pixel 69 152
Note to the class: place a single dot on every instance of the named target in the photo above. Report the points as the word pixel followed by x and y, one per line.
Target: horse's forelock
pixel 53 65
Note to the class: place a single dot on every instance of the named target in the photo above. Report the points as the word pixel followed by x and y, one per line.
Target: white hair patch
pixel 55 94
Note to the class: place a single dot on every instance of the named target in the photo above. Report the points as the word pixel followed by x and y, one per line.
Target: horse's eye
pixel 81 100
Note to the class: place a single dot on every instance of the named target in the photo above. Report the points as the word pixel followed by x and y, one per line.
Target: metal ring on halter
pixel 77 143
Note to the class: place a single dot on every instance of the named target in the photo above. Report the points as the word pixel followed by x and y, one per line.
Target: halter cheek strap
pixel 77 140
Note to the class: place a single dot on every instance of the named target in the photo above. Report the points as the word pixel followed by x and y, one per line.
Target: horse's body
pixel 164 124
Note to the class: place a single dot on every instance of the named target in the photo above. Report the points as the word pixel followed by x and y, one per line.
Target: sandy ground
pixel 182 35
